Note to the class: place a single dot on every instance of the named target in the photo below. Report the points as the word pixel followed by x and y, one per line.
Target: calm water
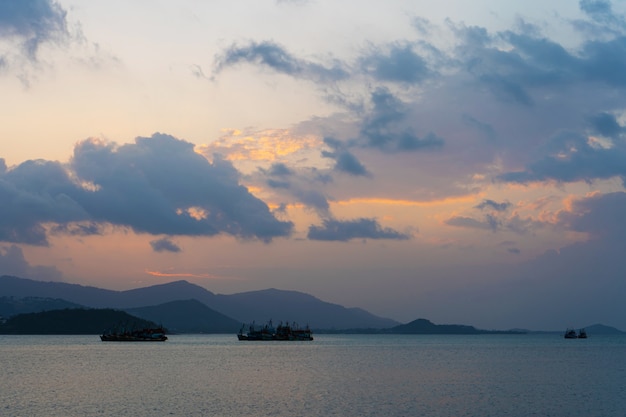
pixel 335 375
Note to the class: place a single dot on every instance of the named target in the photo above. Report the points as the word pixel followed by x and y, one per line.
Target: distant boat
pixel 283 332
pixel 582 334
pixel 570 334
pixel 144 335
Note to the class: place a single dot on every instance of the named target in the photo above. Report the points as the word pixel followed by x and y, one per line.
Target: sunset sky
pixel 459 161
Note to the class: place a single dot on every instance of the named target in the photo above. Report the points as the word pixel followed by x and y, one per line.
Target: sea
pixel 333 375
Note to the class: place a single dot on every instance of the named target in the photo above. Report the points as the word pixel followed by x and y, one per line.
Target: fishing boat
pixel 156 334
pixel 570 334
pixel 582 334
pixel 282 332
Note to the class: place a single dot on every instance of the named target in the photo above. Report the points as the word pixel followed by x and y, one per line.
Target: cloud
pixel 32 22
pixel 299 184
pixel 348 163
pixel 488 223
pixel 604 21
pixel 275 57
pixel 598 10
pixel 488 103
pixel 385 126
pixel 400 64
pixel 280 169
pixel 33 194
pixel 495 220
pixel 363 228
pixel 570 157
pixel 278 175
pixel 606 124
pixel 345 161
pixel 600 215
pixel 164 245
pixel 493 205
pixel 77 229
pixel 521 67
pixel 313 198
pixel 157 185
pixel 12 262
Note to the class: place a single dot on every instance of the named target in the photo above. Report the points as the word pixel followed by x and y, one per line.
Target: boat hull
pixel 143 335
pixel 119 338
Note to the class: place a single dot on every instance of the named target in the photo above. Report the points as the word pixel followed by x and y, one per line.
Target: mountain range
pixel 194 308
pixel 183 307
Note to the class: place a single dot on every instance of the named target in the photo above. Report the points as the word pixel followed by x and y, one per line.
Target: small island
pixel 71 321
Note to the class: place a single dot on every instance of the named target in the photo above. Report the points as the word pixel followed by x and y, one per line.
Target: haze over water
pixel 340 375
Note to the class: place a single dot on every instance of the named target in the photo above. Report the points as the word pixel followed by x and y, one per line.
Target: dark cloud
pixel 280 170
pixel 400 64
pixel 345 161
pixel 314 199
pixel 36 193
pixel 278 184
pixel 337 230
pixel 275 57
pixel 493 205
pixel 348 163
pixel 157 185
pixel 520 67
pixel 545 63
pixel 511 74
pixel 607 125
pixel 77 229
pixel 571 157
pixel 296 184
pixel 495 221
pixel 279 175
pixel 506 89
pixel 488 223
pixel 605 62
pixel 160 185
pixel 32 22
pixel 604 21
pixel 385 126
pixel 600 215
pixel 164 245
pixel 12 262
pixel 598 10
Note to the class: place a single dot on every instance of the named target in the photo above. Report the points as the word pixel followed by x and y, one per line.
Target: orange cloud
pixel 265 145
pixel 414 203
pixel 181 274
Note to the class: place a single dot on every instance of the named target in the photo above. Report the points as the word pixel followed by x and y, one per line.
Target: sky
pixel 463 162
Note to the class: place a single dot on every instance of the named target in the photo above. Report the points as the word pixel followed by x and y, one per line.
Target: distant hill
pixel 187 316
pixel 258 306
pixel 11 306
pixel 71 321
pixel 290 306
pixel 423 326
pixel 602 329
pixel 102 298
